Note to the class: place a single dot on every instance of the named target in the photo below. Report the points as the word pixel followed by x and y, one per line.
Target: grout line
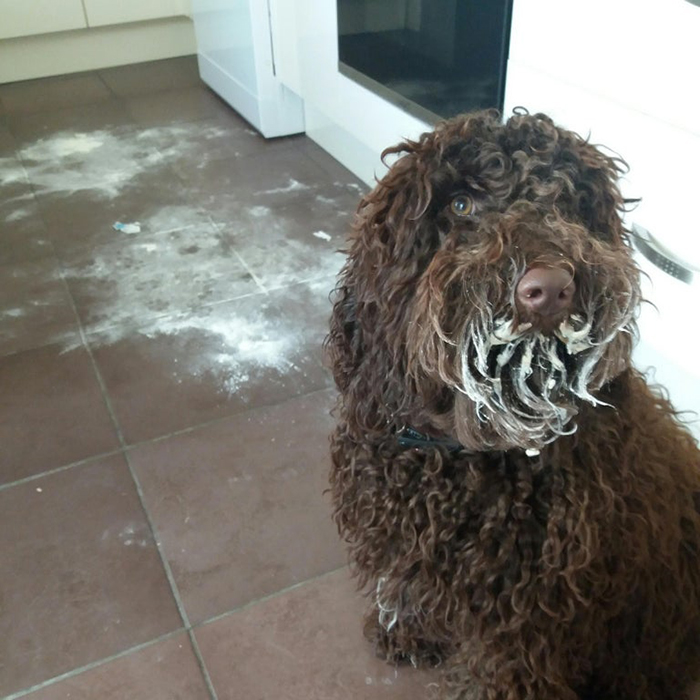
pixel 125 448
pixel 332 277
pixel 202 666
pixel 58 470
pixel 246 606
pixel 137 485
pixel 221 419
pixel 98 374
pixel 250 272
pixel 164 560
pixel 270 596
pixel 160 438
pixel 134 327
pixel 257 281
pixel 95 664
pixel 142 500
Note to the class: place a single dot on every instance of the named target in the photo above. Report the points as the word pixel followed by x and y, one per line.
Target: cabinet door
pixel 102 12
pixel 26 17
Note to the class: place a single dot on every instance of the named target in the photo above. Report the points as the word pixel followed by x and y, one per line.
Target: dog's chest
pixel 460 508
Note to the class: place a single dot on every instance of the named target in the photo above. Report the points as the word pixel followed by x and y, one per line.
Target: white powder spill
pixel 173 218
pixel 140 277
pixel 240 346
pixel 148 291
pixel 105 162
pixel 291 261
pixel 292 186
pixel 204 295
pixel 129 536
pixel 12 313
pixel 12 173
pixel 64 145
pixel 259 211
pixel 352 186
pixel 17 215
pixel 261 337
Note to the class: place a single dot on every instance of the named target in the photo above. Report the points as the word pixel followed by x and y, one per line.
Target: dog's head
pixel 494 258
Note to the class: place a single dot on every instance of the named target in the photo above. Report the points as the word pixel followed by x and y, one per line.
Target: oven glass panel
pixel 434 58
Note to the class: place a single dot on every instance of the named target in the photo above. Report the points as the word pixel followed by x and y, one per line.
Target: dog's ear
pixel 390 245
pixel 600 202
pixel 343 342
pixel 387 229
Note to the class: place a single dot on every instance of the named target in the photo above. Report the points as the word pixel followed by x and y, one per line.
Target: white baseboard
pixel 90 49
pixel 280 114
pixel 358 157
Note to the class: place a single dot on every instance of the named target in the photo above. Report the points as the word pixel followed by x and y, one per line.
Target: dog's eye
pixel 461 205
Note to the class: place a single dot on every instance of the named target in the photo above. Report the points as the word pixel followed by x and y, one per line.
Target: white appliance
pixel 236 54
pixel 626 71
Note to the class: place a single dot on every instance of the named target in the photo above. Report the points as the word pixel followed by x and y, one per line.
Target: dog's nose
pixel 545 290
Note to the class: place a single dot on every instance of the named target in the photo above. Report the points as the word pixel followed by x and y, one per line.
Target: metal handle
pixel 646 245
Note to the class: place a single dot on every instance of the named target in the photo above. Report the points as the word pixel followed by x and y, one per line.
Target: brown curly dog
pixel 520 506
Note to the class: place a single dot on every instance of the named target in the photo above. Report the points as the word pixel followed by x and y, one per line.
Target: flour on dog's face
pixel 525 384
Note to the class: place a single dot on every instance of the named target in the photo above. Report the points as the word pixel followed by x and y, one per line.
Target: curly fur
pixel 555 554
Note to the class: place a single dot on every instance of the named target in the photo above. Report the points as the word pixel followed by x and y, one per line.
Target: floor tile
pixel 35 307
pixel 251 518
pixel 24 235
pixel 82 221
pixel 85 182
pixel 52 412
pixel 194 144
pixel 166 670
pixel 274 178
pixel 204 321
pixel 306 643
pixel 135 278
pixel 29 96
pixel 87 581
pixel 226 358
pixel 152 76
pixel 8 145
pixel 186 105
pixel 109 114
pixel 285 216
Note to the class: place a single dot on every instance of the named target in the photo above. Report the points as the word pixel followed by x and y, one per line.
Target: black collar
pixel 408 437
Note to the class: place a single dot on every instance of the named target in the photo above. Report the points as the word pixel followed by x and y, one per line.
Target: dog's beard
pixel 526 385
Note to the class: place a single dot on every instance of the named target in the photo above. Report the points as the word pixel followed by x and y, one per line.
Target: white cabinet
pixel 104 12
pixel 27 17
pixel 237 57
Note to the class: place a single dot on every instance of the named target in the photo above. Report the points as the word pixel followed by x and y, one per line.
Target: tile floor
pixel 164 404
